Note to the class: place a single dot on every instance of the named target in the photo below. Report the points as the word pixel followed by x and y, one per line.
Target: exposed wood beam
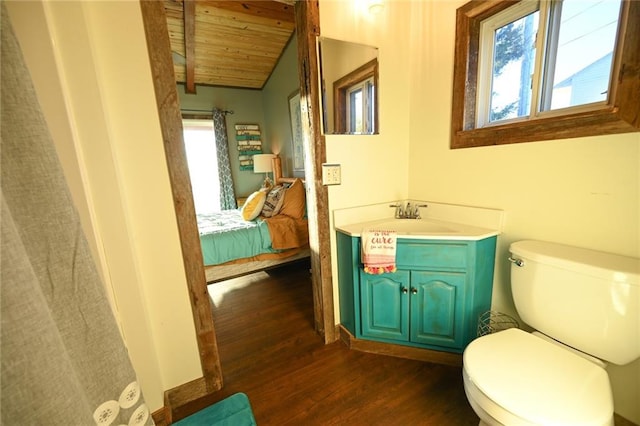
pixel 159 47
pixel 189 11
pixel 308 28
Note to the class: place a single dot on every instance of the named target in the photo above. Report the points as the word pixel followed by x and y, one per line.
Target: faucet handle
pixel 416 211
pixel 399 210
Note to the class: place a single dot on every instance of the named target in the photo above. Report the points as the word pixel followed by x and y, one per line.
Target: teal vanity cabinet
pixel 434 299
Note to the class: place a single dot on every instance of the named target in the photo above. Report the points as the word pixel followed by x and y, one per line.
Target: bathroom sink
pixel 420 229
pixel 413 226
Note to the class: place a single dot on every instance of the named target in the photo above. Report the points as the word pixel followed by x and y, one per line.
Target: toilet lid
pixel 539 381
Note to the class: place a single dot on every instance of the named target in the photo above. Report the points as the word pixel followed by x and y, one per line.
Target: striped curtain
pixel 227 193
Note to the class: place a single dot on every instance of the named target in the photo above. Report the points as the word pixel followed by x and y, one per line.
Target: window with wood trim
pixel 356 100
pixel 202 161
pixel 517 77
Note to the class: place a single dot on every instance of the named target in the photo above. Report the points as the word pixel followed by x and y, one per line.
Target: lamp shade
pixel 262 163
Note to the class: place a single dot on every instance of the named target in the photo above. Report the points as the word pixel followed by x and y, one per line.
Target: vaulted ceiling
pixel 231 43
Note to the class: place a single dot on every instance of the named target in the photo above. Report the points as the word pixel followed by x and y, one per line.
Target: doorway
pixel 307 24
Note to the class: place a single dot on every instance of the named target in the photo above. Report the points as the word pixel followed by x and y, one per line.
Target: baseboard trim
pixel 184 400
pixel 621 421
pixel 400 351
pixel 158 417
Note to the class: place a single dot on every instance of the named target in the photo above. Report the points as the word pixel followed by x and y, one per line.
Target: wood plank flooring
pixel 268 350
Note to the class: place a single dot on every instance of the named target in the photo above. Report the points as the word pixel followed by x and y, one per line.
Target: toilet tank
pixel 586 299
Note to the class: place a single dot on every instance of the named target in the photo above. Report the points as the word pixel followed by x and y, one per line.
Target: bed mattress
pixel 226 236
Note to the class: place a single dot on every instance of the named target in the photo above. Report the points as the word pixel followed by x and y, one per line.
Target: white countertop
pixel 421 229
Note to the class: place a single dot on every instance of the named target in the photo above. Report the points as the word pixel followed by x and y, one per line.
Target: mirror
pixel 349 92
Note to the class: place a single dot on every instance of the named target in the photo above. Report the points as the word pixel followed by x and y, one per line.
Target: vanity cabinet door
pixel 437 308
pixel 384 305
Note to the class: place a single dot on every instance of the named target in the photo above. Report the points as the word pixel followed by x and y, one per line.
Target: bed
pixel 275 233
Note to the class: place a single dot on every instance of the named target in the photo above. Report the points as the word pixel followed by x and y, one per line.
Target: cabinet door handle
pixel 405 290
pixel 414 290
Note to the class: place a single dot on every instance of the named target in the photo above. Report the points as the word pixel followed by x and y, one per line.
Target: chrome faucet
pixel 407 212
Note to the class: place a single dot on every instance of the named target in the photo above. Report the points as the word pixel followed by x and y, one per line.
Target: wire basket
pixel 492 321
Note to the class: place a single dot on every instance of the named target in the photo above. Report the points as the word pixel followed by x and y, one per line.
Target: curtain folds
pixel 227 193
pixel 63 359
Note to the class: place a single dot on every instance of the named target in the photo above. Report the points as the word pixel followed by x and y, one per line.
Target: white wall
pixel 583 191
pixel 107 131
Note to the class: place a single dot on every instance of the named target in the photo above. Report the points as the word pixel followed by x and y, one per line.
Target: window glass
pixel 579 39
pixel 202 160
pixel 354 123
pixel 513 61
pixel 580 70
pixel 360 107
pixel 371 110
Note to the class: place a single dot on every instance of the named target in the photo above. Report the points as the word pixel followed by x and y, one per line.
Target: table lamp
pixel 262 163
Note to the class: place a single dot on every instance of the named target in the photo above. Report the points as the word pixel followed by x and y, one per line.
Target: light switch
pixel 331 174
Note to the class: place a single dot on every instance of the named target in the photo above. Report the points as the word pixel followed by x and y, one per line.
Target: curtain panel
pixel 63 358
pixel 227 193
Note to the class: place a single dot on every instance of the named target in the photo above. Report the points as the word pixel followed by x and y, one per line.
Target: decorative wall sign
pixel 249 142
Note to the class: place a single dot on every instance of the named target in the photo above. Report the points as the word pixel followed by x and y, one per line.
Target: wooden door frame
pixel 158 45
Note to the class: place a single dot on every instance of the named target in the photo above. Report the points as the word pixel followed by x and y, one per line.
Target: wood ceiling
pixel 230 43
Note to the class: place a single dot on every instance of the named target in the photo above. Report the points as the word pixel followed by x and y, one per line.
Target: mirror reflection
pixel 349 79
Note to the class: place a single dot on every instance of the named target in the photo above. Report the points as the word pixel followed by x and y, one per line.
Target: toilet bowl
pixel 584 305
pixel 505 385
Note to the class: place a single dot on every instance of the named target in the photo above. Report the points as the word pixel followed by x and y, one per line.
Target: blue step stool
pixel 231 411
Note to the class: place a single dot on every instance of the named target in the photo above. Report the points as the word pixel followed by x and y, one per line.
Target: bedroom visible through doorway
pixel 202 160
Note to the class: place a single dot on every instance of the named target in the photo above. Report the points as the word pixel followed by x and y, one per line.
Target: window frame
pixel 620 114
pixel 486 51
pixel 340 89
pixel 364 87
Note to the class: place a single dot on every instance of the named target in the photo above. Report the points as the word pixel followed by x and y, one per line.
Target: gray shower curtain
pixel 63 359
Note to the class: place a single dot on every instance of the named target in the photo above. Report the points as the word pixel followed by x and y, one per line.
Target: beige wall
pixel 584 191
pixel 107 131
pixel 374 168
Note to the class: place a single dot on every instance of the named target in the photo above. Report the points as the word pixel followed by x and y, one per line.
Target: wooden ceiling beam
pixel 190 44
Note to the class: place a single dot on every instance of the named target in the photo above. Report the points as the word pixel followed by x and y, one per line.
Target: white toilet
pixel 584 305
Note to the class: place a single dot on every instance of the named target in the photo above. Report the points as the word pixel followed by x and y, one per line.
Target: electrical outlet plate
pixel 331 174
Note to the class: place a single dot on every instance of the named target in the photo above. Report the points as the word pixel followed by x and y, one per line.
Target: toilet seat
pixel 537 381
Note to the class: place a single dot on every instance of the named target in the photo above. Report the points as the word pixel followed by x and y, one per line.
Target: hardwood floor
pixel 269 351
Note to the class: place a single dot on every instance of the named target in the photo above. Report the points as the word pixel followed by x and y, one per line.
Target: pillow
pixel 294 201
pixel 273 203
pixel 253 206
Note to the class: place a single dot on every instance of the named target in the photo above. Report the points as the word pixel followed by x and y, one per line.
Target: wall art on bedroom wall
pixel 296 131
pixel 249 144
